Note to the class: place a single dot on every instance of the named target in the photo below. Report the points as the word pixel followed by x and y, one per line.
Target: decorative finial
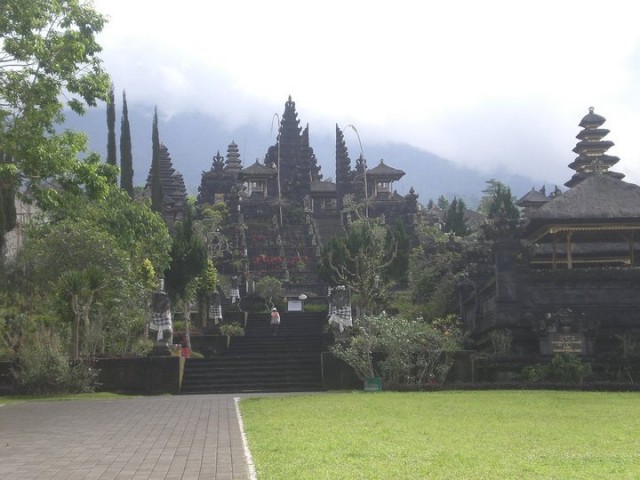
pixel 590 109
pixel 598 167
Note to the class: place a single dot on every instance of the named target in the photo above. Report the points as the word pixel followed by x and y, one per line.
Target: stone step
pixel 259 361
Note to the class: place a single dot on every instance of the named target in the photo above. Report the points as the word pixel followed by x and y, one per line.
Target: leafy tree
pixel 359 260
pixel 111 128
pixel 433 268
pixel 210 227
pixel 53 271
pixel 92 266
pixel 188 258
pixel 126 156
pixel 80 289
pixel 139 232
pixel 206 284
pixel 400 266
pixel 8 214
pixel 48 48
pixel 498 201
pixel 270 289
pixel 188 262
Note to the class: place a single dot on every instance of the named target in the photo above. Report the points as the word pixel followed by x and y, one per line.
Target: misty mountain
pixel 193 139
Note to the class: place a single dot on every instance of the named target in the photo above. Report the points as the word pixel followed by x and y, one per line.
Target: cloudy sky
pixel 482 83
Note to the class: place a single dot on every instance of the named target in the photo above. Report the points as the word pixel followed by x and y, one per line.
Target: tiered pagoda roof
pixel 174 192
pixel 217 181
pixel 172 182
pixel 233 163
pixel 591 150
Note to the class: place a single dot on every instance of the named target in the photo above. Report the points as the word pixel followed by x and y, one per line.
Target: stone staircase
pixel 260 362
pixel 329 226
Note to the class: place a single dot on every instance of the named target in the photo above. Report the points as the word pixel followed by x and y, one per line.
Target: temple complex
pixel 569 283
pixel 565 280
pixel 282 211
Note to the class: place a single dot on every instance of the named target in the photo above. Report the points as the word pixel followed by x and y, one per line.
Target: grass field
pixel 4 400
pixel 458 434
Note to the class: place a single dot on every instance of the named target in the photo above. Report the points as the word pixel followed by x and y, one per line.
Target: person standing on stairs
pixel 275 321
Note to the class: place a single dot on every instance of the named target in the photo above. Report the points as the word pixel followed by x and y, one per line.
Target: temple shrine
pixel 282 211
pixel 570 282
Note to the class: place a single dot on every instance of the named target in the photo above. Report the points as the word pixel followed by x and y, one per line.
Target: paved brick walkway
pixel 167 437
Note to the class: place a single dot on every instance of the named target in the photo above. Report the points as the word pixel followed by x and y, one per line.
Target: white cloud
pixel 481 83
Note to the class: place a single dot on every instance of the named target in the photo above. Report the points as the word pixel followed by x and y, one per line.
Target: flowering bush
pixel 265 262
pixel 43 367
pixel 233 329
pixel 408 351
pixel 277 262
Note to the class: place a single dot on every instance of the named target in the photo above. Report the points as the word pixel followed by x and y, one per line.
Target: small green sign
pixel 373 384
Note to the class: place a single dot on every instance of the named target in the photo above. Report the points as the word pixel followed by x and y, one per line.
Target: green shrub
pixel 43 367
pixel 232 329
pixel 501 341
pixel 410 352
pixel 568 368
pixel 315 307
pixel 141 346
pixel 534 373
pixel 563 368
pixel 178 326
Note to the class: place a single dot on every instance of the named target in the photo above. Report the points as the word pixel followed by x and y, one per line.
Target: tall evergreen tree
pixel 503 215
pixel 111 129
pixel 156 187
pixel 442 203
pixel 344 175
pixel 126 156
pixel 454 219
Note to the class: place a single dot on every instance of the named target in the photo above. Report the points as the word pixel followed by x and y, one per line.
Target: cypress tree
pixel 454 219
pixel 156 187
pixel 111 129
pixel 126 156
pixel 344 175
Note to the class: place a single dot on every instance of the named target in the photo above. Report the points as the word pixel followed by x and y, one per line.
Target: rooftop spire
pixel 591 150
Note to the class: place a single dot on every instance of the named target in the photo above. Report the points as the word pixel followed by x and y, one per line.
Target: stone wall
pixel 144 376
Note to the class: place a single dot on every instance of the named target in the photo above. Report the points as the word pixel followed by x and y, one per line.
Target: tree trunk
pixel 75 330
pixel 187 321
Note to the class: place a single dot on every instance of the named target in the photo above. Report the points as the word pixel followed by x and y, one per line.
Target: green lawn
pixel 71 396
pixel 457 435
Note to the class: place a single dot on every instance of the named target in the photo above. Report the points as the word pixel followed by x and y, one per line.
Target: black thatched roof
pixel 597 197
pixel 532 197
pixel 383 170
pixel 257 170
pixel 323 186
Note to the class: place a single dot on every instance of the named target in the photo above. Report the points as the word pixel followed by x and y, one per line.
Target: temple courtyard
pixel 346 435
